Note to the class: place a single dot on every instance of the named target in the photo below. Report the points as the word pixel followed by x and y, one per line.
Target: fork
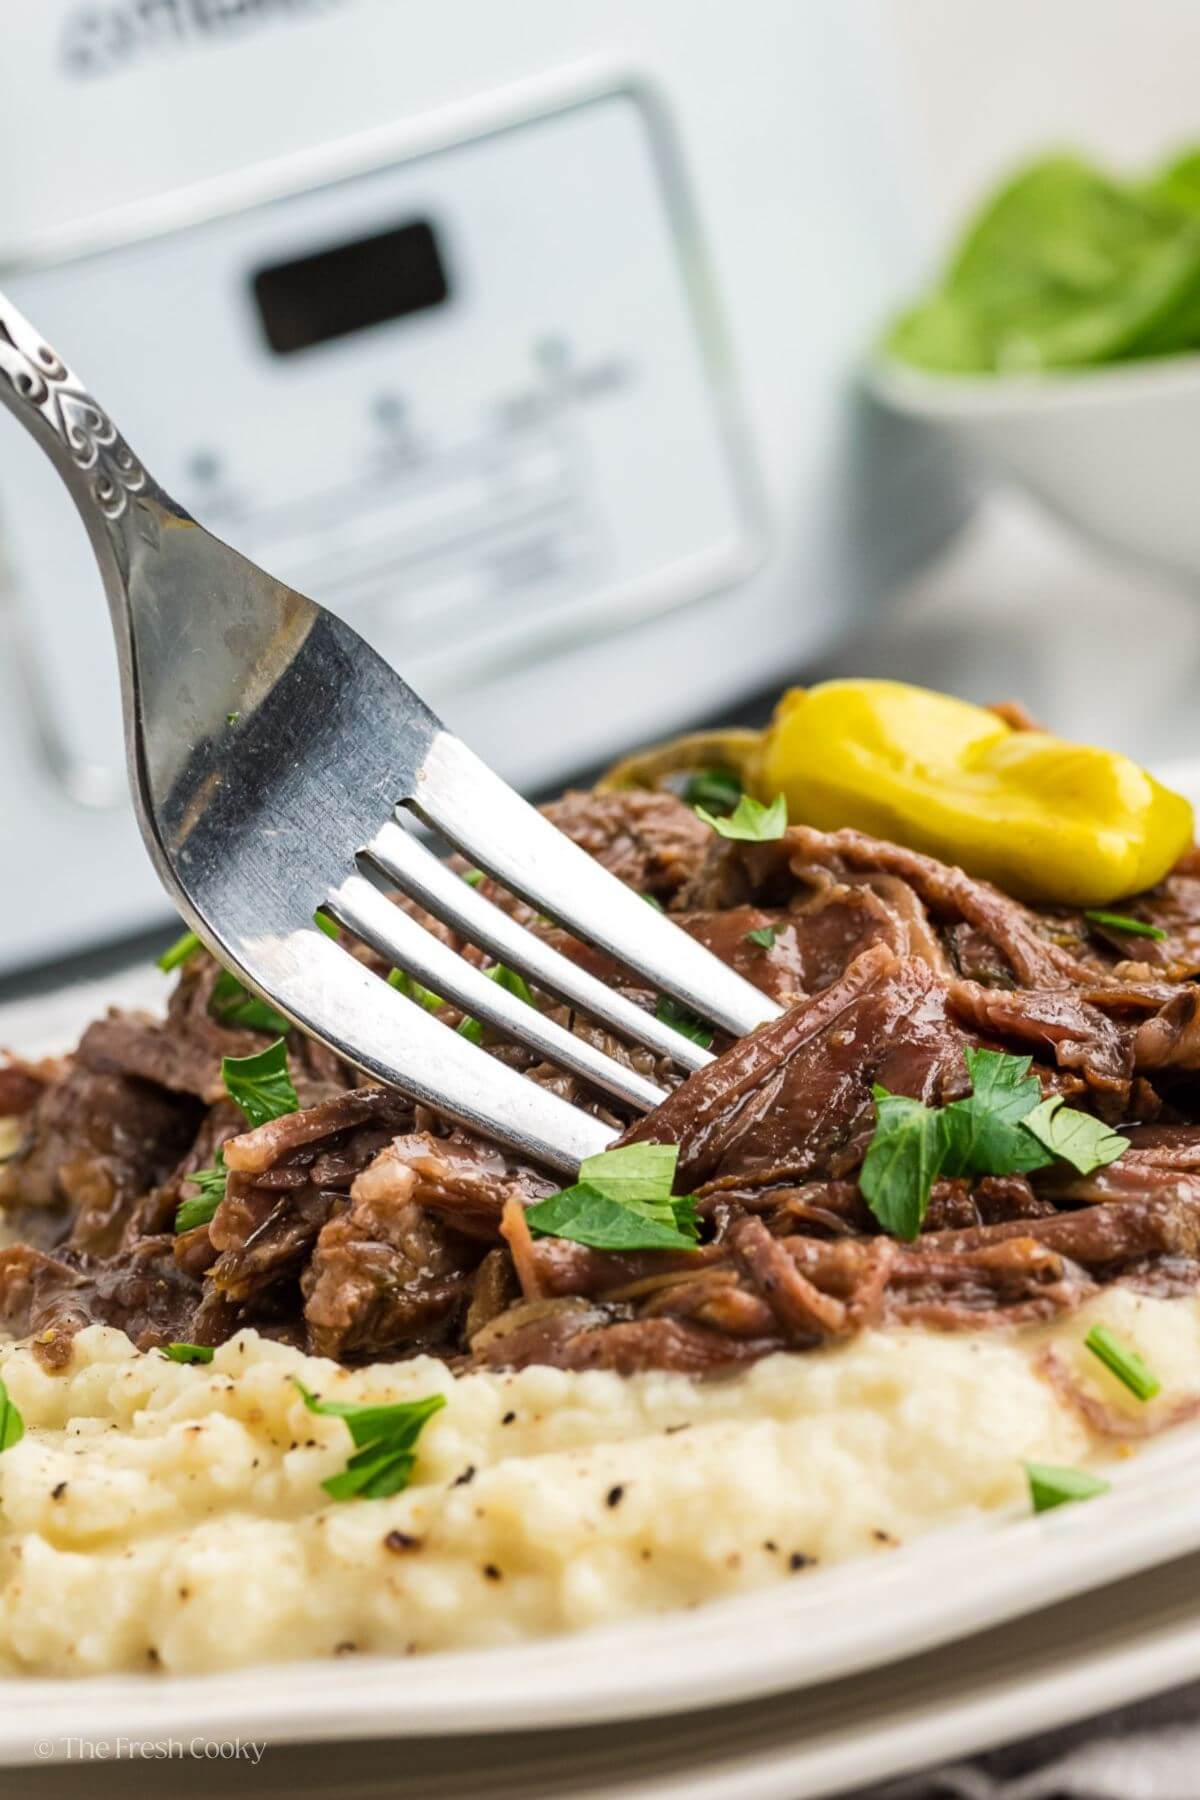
pixel 278 766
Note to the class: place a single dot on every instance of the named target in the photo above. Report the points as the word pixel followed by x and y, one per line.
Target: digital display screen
pixel 347 288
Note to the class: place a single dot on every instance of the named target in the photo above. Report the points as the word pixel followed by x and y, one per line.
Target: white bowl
pixel 1112 450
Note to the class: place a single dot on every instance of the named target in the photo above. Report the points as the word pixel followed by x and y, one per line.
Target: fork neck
pixel 112 491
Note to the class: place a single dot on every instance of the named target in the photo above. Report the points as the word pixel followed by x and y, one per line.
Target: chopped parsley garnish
pixel 587 1215
pixel 12 1425
pixel 324 923
pixel 200 1209
pixel 669 1012
pixel 474 877
pixel 902 1163
pixel 982 1134
pixel 260 1084
pixel 177 953
pixel 750 821
pixel 1050 1486
pixel 1002 1128
pixel 386 1438
pixel 263 1089
pixel 189 1353
pixel 509 980
pixel 718 789
pixel 764 937
pixel 232 718
pixel 1074 1137
pixel 1125 1364
pixel 1123 922
pixel 635 1173
pixel 651 901
pixel 411 987
pixel 232 1004
pixel 622 1201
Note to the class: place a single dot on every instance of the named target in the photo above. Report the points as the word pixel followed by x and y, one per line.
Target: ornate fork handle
pixel 100 469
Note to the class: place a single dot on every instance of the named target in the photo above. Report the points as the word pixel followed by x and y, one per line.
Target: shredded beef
pixel 580 1337
pixel 385 1271
pixel 1174 907
pixel 1012 929
pixel 93 1144
pixel 52 1297
pixel 795 1096
pixel 181 1052
pixel 21 1084
pixel 815 941
pixel 651 842
pixel 1170 1037
pixel 1057 1023
pixel 357 1227
pixel 256 1152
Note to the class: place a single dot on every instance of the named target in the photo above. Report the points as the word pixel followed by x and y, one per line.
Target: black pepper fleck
pixel 58 1492
pixel 468 1475
pixel 614 1496
pixel 770 1544
pixel 798 1560
pixel 508 1418
pixel 492 1572
pixel 400 1541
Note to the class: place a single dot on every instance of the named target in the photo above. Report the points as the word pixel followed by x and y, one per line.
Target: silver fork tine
pixel 426 878
pixel 267 743
pixel 482 816
pixel 375 919
pixel 400 1043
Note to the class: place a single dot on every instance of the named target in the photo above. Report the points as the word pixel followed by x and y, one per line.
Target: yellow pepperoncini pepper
pixel 1044 819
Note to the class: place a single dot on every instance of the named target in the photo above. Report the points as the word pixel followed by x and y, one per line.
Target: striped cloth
pixel 1149 1751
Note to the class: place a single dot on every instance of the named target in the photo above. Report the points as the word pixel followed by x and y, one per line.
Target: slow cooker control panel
pixel 469 400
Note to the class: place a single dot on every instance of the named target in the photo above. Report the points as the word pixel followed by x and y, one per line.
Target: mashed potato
pixel 172 1516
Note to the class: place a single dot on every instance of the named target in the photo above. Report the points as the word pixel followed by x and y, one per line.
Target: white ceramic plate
pixel 838 1622
pixel 1072 1661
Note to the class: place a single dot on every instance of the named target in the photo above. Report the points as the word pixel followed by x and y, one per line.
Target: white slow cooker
pixel 521 334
